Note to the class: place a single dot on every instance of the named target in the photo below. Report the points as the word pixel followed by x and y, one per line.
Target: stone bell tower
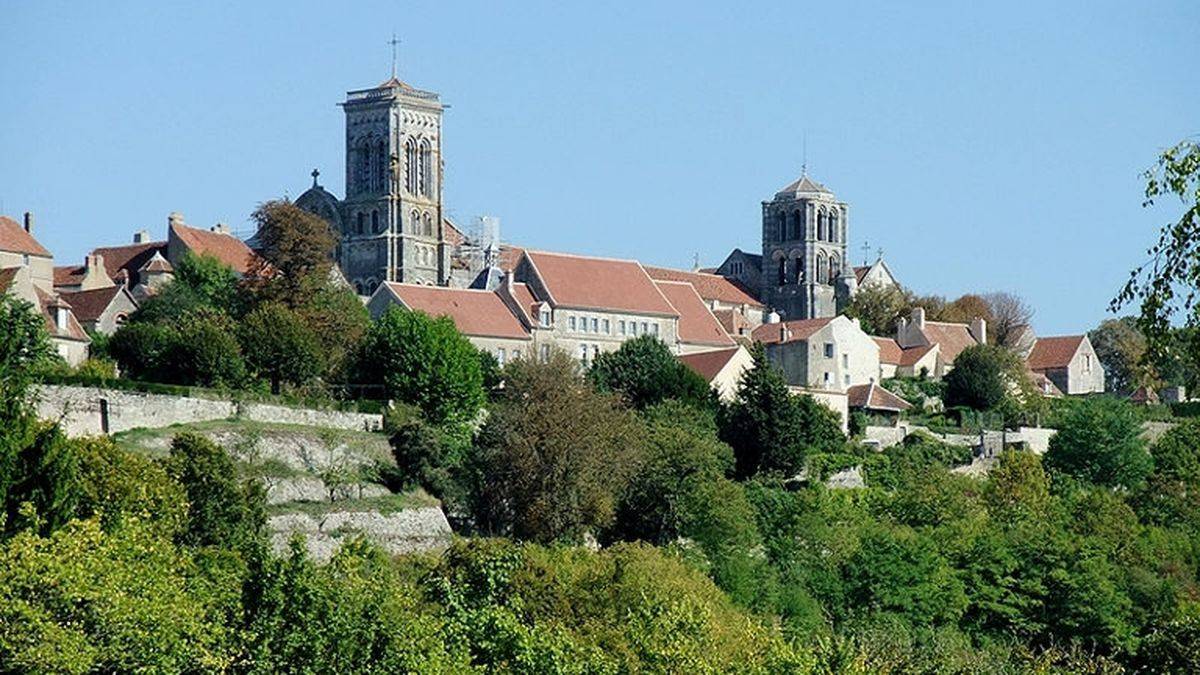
pixel 391 218
pixel 804 259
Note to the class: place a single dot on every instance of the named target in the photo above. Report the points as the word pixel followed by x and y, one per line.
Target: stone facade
pixel 833 356
pixel 805 272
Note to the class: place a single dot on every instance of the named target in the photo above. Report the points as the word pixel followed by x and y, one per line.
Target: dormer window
pixel 60 318
pixel 545 318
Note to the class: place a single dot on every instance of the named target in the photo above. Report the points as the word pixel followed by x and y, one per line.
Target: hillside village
pixel 367 438
pixel 516 301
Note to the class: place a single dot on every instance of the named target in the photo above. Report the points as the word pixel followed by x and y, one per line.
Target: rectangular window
pixel 545 353
pixel 645 328
pixel 545 318
pixel 500 356
pixel 633 328
pixel 595 351
pixel 1087 363
pixel 654 328
pixel 607 329
pixel 829 350
pixel 828 378
pixel 621 327
pixel 583 352
pixel 595 325
pixel 845 360
pixel 572 322
pixel 846 379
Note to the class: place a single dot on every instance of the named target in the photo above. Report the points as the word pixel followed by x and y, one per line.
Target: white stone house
pixel 1070 362
pixel 27 272
pixel 830 354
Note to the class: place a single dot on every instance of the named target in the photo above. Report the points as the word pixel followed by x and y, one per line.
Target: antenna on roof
pixel 393 42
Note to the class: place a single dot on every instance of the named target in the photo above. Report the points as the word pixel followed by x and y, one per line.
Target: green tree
pixel 1099 441
pixel 645 372
pixel 554 456
pixel 899 571
pixel 425 362
pixel 24 347
pixel 143 351
pixel 222 509
pixel 39 478
pixel 118 487
pixel 770 429
pixel 1171 496
pixel 878 308
pixel 295 247
pixel 982 377
pixel 336 317
pixel 1166 286
pixel 279 345
pixel 204 350
pixel 1121 348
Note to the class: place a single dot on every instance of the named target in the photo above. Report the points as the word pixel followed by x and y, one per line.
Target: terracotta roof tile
pixel 598 283
pixel 874 397
pixel 6 277
pixel 799 329
pixel 68 275
pixel 509 257
pixel 709 286
pixel 454 236
pixel 697 325
pixel 910 356
pixel 1054 352
pixel 734 322
pixel 951 338
pixel 224 247
pixel 474 312
pixel 860 272
pixel 708 364
pixel 524 297
pixel 128 258
pixel 889 350
pixel 89 305
pixel 14 239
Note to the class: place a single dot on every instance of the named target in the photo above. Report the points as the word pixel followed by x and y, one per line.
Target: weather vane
pixel 393 42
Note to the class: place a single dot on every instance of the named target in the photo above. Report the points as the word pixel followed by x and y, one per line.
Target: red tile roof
pixel 14 239
pixel 69 275
pixel 90 305
pixel 224 247
pixel 860 272
pixel 525 299
pixel 709 286
pixel 951 338
pixel 509 257
pixel 6 278
pixel 583 282
pixel 910 356
pixel 734 322
pixel 697 325
pixel 474 312
pixel 454 236
pixel 799 329
pixel 129 257
pixel 874 397
pixel 1053 352
pixel 889 350
pixel 708 364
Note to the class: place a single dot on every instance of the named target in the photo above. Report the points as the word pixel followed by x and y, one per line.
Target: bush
pixel 979 378
pixel 222 510
pixel 1100 441
pixel 645 372
pixel 279 345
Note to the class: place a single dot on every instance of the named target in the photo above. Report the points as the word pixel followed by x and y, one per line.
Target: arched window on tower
pixel 426 171
pixel 834 235
pixel 414 222
pixel 410 166
pixel 798 270
pixel 381 172
pixel 782 271
pixel 781 225
pixel 834 268
pixel 797 224
pixel 360 218
pixel 375 221
pixel 822 266
pixel 426 224
pixel 821 225
pixel 362 178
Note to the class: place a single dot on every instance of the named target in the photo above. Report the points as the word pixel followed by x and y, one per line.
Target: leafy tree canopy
pixel 645 372
pixel 1100 441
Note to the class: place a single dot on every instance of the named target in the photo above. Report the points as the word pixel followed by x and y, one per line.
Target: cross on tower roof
pixel 393 42
pixel 314 174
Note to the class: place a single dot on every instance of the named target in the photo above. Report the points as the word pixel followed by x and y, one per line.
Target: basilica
pixel 394 227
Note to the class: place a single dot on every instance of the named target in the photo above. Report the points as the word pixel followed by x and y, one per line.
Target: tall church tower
pixel 391 218
pixel 804 263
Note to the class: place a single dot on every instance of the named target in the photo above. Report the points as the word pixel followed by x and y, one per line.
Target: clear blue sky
pixel 983 148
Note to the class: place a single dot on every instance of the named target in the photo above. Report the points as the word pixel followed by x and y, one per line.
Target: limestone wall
pixel 87 411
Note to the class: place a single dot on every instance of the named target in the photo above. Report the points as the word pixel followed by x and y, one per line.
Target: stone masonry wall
pixel 88 411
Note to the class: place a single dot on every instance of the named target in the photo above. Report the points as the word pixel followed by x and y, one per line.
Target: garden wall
pixel 88 411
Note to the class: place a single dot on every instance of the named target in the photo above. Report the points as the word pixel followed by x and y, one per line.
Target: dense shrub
pixel 643 371
pixel 1100 441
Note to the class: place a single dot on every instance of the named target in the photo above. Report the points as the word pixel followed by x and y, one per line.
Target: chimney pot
pixel 29 222
pixel 174 218
pixel 918 317
pixel 141 237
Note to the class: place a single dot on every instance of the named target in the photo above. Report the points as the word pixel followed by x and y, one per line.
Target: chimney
pixel 918 317
pixel 221 228
pixel 784 333
pixel 29 222
pixel 141 237
pixel 174 218
pixel 93 263
pixel 773 317
pixel 979 330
